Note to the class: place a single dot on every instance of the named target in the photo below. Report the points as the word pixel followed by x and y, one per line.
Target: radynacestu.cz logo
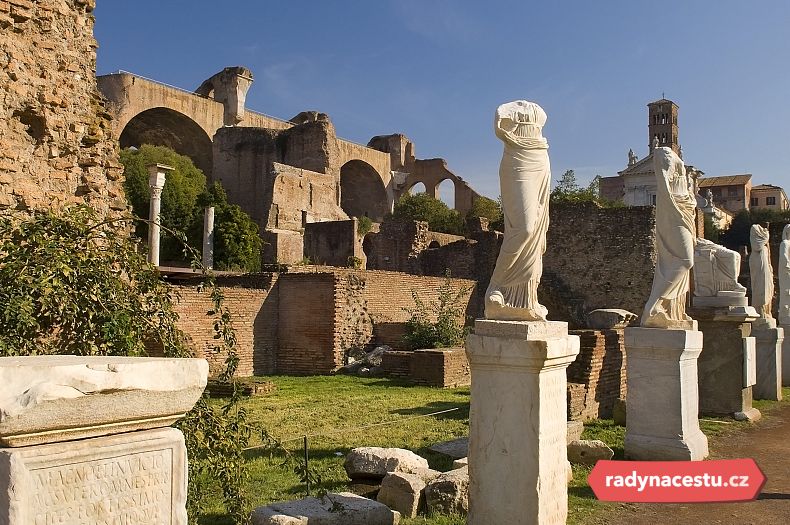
pixel 677 481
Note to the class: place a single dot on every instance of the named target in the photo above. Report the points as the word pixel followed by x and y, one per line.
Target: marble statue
pixel 675 235
pixel 761 271
pixel 709 199
pixel 716 271
pixel 524 177
pixel 632 158
pixel 784 278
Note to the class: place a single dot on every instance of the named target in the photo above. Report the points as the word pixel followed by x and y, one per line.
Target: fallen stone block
pixel 456 448
pixel 343 508
pixel 449 493
pixel 588 452
pixel 575 429
pixel 460 463
pixel 376 462
pixel 402 492
pixel 610 318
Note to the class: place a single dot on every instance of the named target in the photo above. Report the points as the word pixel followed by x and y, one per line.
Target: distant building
pixel 636 184
pixel 731 192
pixel 769 196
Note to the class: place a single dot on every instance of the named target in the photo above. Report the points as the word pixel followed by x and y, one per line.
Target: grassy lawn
pixel 338 413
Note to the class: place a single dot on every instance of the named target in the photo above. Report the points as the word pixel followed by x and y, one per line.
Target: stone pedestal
pixel 70 455
pixel 726 365
pixel 769 360
pixel 786 355
pixel 518 422
pixel 662 403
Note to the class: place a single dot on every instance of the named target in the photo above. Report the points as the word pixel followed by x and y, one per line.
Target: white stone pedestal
pixel 769 361
pixel 786 355
pixel 518 422
pixel 662 401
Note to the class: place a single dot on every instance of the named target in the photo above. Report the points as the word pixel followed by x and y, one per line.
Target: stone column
pixel 518 422
pixel 662 403
pixel 769 359
pixel 785 354
pixel 83 439
pixel 727 363
pixel 208 237
pixel 156 181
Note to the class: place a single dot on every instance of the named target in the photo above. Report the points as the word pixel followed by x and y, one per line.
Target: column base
pixel 769 363
pixel 653 448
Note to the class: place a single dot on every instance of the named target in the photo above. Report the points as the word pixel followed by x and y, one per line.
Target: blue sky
pixel 436 70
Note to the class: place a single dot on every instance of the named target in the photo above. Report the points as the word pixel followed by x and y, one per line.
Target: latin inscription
pixel 133 489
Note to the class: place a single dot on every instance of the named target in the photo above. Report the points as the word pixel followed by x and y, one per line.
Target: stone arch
pixel 162 126
pixel 417 187
pixel 446 191
pixel 362 192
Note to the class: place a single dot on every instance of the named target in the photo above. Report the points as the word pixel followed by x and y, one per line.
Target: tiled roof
pixel 728 180
pixel 766 187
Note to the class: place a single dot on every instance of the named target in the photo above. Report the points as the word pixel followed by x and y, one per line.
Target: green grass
pixel 338 413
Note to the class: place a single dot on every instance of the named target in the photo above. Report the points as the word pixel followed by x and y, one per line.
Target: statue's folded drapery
pixel 784 278
pixel 762 274
pixel 524 175
pixel 675 238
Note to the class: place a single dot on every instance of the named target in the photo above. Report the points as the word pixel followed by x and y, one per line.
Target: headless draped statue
pixel 675 241
pixel 784 278
pixel 762 273
pixel 524 177
pixel 716 271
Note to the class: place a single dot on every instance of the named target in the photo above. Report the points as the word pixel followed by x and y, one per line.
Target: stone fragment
pixel 610 318
pixel 427 474
pixel 456 448
pixel 460 463
pixel 402 492
pixel 449 493
pixel 575 429
pixel 342 508
pixel 588 452
pixel 376 462
pixel 63 397
pixel 50 483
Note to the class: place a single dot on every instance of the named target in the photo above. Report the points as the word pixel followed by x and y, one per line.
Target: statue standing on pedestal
pixel 675 236
pixel 762 273
pixel 524 176
pixel 784 278
pixel 716 271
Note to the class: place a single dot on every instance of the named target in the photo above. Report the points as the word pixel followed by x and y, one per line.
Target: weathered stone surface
pixel 449 493
pixel 460 463
pixel 61 397
pixel 517 456
pixel 588 452
pixel 376 462
pixel 610 318
pixel 575 429
pixel 133 478
pixel 427 474
pixel 619 412
pixel 402 492
pixel 769 362
pixel 343 508
pixel 456 448
pixel 663 405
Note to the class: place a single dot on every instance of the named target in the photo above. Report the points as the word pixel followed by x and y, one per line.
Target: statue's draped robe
pixel 762 273
pixel 524 176
pixel 675 238
pixel 784 278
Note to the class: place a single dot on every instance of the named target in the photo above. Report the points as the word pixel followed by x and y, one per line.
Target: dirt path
pixel 769 444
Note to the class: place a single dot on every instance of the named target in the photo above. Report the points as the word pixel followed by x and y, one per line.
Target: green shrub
pixel 423 207
pixel 447 330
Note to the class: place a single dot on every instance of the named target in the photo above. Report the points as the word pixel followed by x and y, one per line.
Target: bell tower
pixel 662 124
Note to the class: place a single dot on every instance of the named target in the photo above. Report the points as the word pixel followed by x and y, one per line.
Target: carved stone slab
pixel 45 399
pixel 138 478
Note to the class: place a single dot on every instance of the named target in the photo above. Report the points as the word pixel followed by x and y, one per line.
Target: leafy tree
pixel 423 207
pixel 237 241
pixel 179 196
pixel 712 231
pixel 72 283
pixel 489 209
pixel 737 233
pixel 447 330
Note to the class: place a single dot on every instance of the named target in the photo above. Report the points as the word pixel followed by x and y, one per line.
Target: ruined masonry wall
pixel 597 378
pixel 55 143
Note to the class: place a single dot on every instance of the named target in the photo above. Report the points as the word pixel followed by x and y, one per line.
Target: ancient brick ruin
pixel 56 145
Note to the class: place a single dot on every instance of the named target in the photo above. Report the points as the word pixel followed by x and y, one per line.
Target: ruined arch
pixel 446 192
pixel 362 192
pixel 417 187
pixel 165 127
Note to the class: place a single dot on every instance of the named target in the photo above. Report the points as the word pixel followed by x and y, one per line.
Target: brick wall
pixel 439 367
pixel 253 303
pixel 597 378
pixel 55 142
pixel 332 242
